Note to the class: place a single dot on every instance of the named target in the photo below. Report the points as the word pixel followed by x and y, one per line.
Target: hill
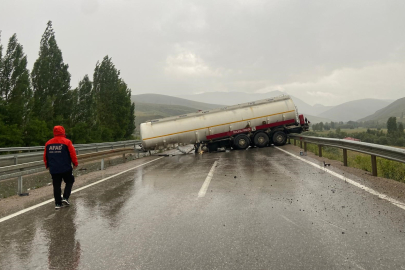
pixel 169 100
pixel 354 110
pixel 149 111
pixel 319 108
pixel 396 108
pixel 232 98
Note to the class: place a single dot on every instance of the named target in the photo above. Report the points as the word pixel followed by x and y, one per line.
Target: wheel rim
pixel 261 140
pixel 242 142
pixel 279 138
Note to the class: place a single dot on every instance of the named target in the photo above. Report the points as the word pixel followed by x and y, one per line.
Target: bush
pixel 401 142
pixel 37 133
pixel 383 140
pixel 10 135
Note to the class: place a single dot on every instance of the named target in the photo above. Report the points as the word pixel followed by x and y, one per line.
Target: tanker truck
pixel 260 123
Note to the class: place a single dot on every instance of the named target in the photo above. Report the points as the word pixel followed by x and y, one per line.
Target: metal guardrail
pixel 29 168
pixel 77 146
pixel 32 167
pixel 374 150
pixel 21 158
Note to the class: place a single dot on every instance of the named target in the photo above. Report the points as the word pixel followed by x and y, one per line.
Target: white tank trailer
pixel 258 123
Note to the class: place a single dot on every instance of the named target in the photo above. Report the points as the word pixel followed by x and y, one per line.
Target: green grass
pixel 385 168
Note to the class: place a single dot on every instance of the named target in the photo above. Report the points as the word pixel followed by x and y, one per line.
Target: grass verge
pixel 385 168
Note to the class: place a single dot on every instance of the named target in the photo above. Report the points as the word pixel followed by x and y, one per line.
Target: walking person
pixel 59 154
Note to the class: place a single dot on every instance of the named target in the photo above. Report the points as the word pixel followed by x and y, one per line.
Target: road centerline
pixel 207 181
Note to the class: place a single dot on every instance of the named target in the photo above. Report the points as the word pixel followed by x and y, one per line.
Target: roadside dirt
pixel 389 187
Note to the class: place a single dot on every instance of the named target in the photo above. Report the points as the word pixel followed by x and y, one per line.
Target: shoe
pixel 65 202
pixel 58 206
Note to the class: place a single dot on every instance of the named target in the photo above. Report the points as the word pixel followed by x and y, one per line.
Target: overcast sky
pixel 325 52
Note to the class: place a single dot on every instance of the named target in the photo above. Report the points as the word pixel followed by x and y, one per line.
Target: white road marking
pixel 289 220
pixel 74 191
pixel 330 223
pixel 295 224
pixel 207 181
pixel 350 181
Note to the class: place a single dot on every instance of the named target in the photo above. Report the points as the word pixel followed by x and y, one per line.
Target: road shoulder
pixel 389 187
pixel 16 203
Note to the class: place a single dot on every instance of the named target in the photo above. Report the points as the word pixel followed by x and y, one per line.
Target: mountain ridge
pixel 394 109
pixel 232 98
pixel 148 111
pixel 170 100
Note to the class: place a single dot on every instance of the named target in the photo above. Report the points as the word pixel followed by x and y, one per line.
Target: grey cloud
pixel 89 6
pixel 331 51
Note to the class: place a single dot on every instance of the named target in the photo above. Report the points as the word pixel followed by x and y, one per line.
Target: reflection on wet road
pixel 262 209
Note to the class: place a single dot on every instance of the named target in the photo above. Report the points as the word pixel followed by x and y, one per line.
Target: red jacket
pixel 59 153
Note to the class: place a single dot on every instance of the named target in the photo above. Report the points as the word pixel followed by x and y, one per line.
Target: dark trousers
pixel 69 179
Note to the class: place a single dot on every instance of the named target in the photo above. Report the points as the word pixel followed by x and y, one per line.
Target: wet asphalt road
pixel 263 210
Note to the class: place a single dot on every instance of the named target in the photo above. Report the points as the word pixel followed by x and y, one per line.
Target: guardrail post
pixel 345 157
pixel 295 142
pixel 77 151
pixel 97 148
pixel 319 150
pixel 123 156
pixel 374 165
pixel 15 160
pixel 289 141
pixel 20 185
pixel 102 164
pixel 300 143
pixel 305 146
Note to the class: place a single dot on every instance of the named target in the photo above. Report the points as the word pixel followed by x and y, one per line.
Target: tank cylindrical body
pixel 195 127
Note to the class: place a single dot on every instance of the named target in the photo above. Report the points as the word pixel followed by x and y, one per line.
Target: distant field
pixel 349 130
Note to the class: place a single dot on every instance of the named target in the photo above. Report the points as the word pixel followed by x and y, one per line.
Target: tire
pixel 261 139
pixel 241 142
pixel 212 147
pixel 196 146
pixel 279 138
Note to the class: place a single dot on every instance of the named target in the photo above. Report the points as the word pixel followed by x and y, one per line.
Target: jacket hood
pixel 58 131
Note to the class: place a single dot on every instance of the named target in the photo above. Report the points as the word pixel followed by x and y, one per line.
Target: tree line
pixel 395 135
pixel 348 125
pixel 32 103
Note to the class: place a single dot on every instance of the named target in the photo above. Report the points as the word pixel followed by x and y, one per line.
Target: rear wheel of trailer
pixel 261 139
pixel 279 138
pixel 241 142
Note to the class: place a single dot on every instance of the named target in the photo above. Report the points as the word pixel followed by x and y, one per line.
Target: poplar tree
pixel 1 87
pixel 15 92
pixel 85 102
pixel 83 116
pixel 15 84
pixel 51 82
pixel 131 123
pixel 400 129
pixel 392 126
pixel 113 102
